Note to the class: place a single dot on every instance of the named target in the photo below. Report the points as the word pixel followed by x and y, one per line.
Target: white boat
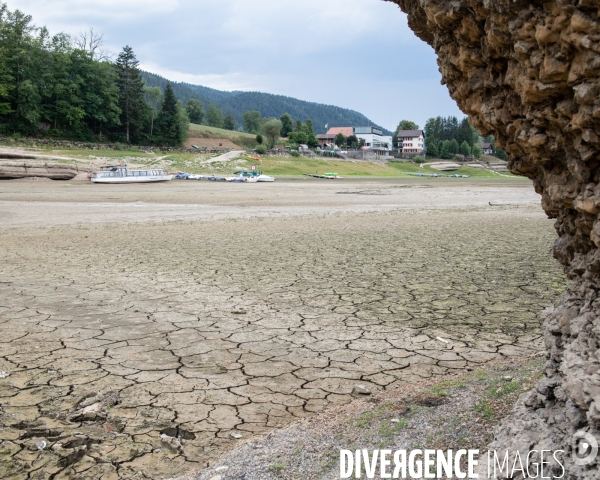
pixel 120 174
pixel 254 176
pixel 265 178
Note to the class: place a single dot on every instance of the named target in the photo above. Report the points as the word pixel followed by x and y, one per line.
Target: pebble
pixel 216 477
pixel 361 390
pixel 221 469
pixel 4 374
pixel 395 420
pixel 442 339
pixel 236 435
pixel 508 378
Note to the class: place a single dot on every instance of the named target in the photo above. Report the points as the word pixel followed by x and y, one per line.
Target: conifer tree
pixel 194 110
pixel 287 124
pixel 465 149
pixel 168 123
pixel 131 93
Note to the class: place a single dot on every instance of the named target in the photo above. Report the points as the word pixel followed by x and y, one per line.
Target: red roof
pixel 346 131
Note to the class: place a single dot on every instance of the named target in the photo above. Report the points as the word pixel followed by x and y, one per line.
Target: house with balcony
pixel 411 142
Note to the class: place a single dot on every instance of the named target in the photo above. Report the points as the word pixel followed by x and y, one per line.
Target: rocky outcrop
pixel 529 73
pixel 53 171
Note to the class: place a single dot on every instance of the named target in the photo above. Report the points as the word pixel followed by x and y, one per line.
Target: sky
pixel 357 54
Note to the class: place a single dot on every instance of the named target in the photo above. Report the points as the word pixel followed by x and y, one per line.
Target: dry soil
pixel 148 329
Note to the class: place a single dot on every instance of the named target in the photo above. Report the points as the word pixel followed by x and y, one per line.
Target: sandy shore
pixel 147 329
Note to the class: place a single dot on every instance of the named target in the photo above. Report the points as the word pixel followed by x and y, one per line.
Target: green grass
pixel 298 166
pixel 82 154
pixel 484 408
pixel 239 138
pixel 402 167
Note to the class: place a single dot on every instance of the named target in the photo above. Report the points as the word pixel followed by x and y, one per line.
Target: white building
pixel 372 136
pixel 411 141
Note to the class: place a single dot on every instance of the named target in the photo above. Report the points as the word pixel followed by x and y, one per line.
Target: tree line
pixel 446 137
pixel 66 87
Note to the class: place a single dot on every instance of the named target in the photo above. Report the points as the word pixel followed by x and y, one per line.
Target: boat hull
pixel 265 178
pixel 147 179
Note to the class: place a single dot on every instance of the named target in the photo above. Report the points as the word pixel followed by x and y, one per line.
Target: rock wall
pixel 528 72
pixel 53 171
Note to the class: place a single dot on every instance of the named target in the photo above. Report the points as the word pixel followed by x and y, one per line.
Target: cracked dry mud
pixel 142 351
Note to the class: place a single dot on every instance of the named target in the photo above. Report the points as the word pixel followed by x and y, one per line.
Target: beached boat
pixel 254 175
pixel 120 174
pixel 329 175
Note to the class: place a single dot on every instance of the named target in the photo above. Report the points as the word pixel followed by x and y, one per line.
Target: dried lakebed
pixel 146 351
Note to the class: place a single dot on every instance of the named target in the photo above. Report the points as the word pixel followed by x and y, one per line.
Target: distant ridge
pixel 269 105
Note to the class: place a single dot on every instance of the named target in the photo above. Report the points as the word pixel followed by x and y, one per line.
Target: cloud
pixel 358 54
pixel 230 81
pixel 97 10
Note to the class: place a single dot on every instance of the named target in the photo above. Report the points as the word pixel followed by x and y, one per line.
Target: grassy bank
pixel 239 138
pixel 276 166
pixel 406 168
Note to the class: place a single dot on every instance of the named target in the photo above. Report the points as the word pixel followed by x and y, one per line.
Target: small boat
pixel 120 174
pixel 329 175
pixel 254 174
pixel 213 178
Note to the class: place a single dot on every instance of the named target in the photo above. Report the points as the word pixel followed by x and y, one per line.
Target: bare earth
pixel 148 329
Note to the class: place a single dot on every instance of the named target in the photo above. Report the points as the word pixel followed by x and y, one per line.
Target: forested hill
pixel 269 105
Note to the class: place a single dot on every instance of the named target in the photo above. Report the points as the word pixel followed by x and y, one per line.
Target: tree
pixel 353 141
pixel 341 140
pixel 465 149
pixel 131 93
pixel 100 96
pixel 466 133
pixel 91 42
pixel 169 121
pixel 272 130
pixel 298 127
pixel 6 85
pixel 445 150
pixel 214 116
pixel 432 150
pixel 259 139
pixel 153 96
pixel 299 138
pixel 476 152
pixel 252 121
pixel 229 122
pixel 454 147
pixel 501 154
pixel 195 110
pixel 287 124
pixel 407 125
pixel 308 127
pixel 312 141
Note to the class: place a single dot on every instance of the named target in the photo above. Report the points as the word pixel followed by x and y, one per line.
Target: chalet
pixel 411 141
pixel 487 148
pixel 325 139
